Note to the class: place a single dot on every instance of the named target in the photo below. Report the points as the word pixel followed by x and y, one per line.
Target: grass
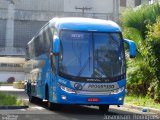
pixel 9 100
pixel 6 84
pixel 141 101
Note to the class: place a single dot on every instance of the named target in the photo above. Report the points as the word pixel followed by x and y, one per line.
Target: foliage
pixel 135 21
pixel 143 27
pixel 5 84
pixel 139 77
pixel 134 34
pixel 9 100
pixel 10 80
pixel 141 101
pixel 140 18
pixel 153 56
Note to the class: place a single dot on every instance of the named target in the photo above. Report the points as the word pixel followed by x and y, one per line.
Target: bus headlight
pixel 63 97
pixel 116 91
pixel 66 89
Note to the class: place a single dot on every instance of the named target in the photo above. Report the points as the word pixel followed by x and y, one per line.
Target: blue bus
pixel 77 61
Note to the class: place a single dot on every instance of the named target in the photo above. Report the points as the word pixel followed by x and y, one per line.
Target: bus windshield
pixel 91 54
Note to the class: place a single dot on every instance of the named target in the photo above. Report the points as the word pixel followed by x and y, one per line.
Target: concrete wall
pixel 20 20
pixel 40 5
pixel 27 29
pixel 5 75
pixel 2 32
pixel 133 4
pixel 3 4
pixel 130 3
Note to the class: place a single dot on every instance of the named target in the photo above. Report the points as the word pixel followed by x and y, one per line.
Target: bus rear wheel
pixel 104 108
pixel 29 92
pixel 32 99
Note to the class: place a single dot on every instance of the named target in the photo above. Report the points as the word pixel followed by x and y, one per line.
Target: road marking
pixel 37 107
pixel 23 110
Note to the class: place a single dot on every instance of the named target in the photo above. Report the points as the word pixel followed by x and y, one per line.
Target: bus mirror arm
pixel 132 47
pixel 56 46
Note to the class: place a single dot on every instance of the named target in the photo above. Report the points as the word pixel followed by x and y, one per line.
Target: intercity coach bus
pixel 77 61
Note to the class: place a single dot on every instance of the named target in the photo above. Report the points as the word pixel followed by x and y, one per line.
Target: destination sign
pixel 77 36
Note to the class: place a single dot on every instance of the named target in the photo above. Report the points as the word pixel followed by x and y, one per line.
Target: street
pixel 39 111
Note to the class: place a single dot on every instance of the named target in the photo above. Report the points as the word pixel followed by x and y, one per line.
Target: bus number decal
pixel 77 36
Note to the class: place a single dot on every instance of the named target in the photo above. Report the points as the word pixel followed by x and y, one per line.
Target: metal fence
pixel 24 31
pixel 2 32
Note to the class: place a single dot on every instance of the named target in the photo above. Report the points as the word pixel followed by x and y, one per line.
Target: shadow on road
pixel 82 110
pixel 79 112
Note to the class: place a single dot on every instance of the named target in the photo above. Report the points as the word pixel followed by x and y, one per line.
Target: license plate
pixel 93 100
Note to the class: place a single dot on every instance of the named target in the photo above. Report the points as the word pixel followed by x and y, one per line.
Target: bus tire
pixel 53 106
pixel 104 108
pixel 29 92
pixel 28 88
pixel 31 98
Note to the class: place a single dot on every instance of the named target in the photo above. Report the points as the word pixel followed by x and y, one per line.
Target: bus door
pixel 53 72
pixel 39 84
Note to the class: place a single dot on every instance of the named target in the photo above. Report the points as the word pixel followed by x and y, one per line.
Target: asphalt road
pixel 39 111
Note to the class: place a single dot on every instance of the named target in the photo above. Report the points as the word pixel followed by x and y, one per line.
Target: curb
pixel 13 107
pixel 13 91
pixel 157 111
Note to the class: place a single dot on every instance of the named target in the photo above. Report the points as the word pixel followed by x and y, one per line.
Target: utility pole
pixel 10 27
pixel 116 4
pixel 83 9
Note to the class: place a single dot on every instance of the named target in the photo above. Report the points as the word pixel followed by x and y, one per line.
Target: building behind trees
pixel 20 20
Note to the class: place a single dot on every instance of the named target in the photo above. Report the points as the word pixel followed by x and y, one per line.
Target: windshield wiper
pixel 84 66
pixel 98 70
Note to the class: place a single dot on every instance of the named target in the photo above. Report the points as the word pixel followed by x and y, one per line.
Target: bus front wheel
pixel 53 106
pixel 103 108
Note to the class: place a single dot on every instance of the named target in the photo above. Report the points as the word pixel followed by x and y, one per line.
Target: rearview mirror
pixel 56 46
pixel 132 47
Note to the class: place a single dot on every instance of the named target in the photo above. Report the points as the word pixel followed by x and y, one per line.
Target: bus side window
pixel 52 32
pixel 47 39
pixel 53 63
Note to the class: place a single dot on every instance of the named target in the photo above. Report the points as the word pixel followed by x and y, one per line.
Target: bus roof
pixel 85 24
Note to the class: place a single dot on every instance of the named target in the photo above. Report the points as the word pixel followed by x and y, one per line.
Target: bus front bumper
pixel 73 98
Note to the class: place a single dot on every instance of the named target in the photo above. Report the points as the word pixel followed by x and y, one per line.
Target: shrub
pixel 11 80
pixel 153 57
pixel 7 99
pixel 143 27
pixel 139 77
pixel 140 18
